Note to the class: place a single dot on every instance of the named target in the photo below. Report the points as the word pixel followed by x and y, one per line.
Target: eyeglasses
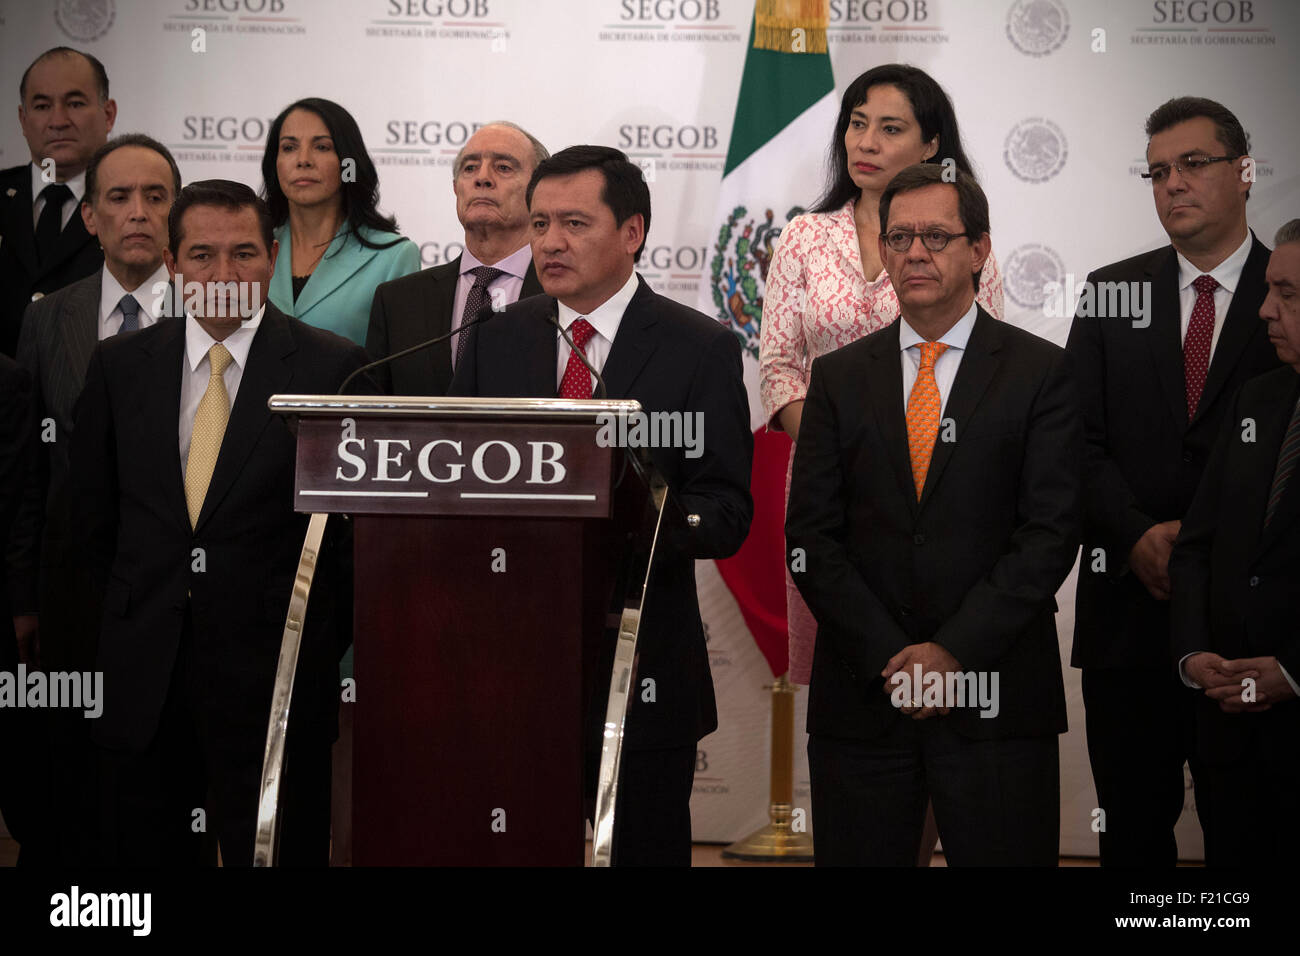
pixel 1189 165
pixel 900 240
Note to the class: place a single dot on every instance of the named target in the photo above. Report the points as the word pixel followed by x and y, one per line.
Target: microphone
pixel 600 382
pixel 483 316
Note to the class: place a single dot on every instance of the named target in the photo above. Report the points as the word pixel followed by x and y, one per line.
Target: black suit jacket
pixel 1234 581
pixel 58 336
pixel 669 358
pixel 76 255
pixel 974 565
pixel 414 309
pixel 16 450
pixel 1144 457
pixel 130 502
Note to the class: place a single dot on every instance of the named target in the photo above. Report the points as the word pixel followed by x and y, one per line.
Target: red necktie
pixel 1196 347
pixel 577 380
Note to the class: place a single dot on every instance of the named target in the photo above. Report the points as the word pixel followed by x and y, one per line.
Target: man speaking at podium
pixel 589 210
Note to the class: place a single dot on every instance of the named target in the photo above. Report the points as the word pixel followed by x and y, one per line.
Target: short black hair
pixel 101 75
pixel 1227 128
pixel 972 204
pixel 217 192
pixel 625 191
pixel 129 139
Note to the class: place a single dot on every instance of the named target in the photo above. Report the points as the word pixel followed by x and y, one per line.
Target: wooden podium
pixel 500 556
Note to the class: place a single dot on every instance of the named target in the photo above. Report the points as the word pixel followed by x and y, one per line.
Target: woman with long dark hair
pixel 826 285
pixel 335 246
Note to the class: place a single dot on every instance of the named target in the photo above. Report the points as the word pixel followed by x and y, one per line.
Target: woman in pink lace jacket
pixel 818 295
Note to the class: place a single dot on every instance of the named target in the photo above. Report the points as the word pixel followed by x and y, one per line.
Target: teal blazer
pixel 338 295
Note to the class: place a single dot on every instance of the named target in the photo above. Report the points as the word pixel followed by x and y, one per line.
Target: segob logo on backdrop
pixel 84 20
pixel 1035 150
pixel 1029 272
pixel 1037 27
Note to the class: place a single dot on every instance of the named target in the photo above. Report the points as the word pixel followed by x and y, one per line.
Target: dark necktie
pixel 484 276
pixel 50 222
pixel 1196 347
pixel 1286 461
pixel 130 314
pixel 577 379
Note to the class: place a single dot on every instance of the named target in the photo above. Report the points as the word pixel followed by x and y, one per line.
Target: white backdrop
pixel 1051 95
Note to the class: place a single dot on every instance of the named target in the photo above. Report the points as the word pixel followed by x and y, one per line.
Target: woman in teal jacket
pixel 335 247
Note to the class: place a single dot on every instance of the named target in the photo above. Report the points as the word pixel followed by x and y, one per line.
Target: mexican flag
pixel 775 167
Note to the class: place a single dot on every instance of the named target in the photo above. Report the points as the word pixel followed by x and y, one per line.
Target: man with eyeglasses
pixel 934 511
pixel 1155 392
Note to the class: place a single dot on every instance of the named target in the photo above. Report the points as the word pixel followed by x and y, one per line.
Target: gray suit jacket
pixel 59 333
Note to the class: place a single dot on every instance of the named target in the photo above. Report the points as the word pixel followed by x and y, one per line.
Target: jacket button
pixel 1187 457
pixel 1254 581
pixel 918 539
pixel 37 295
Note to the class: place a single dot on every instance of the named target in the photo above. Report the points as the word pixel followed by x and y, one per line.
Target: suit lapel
pixel 1240 325
pixel 79 326
pixel 634 343
pixel 531 284
pixel 437 318
pixel 1271 435
pixel 19 233
pixel 70 241
pixel 885 390
pixel 160 413
pixel 978 366
pixel 342 260
pixel 1165 334
pixel 267 373
pixel 539 350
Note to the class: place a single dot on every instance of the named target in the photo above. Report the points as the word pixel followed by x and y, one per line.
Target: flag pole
pixel 785 839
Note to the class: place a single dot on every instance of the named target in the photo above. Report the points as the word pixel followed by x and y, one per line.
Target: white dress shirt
pixel 945 367
pixel 78 186
pixel 510 284
pixel 110 301
pixel 1227 273
pixel 195 371
pixel 604 319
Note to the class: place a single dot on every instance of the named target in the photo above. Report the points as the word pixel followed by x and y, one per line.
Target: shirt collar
pixel 955 338
pixel 1227 273
pixel 515 264
pixel 111 292
pixel 77 184
pixel 237 343
pixel 606 316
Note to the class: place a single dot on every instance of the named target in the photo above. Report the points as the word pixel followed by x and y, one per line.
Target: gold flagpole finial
pixel 791 26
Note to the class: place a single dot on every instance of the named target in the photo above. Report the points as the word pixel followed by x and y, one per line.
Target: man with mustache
pixel 490 175
pixel 66 115
pixel 1235 603
pixel 1156 388
pixel 131 182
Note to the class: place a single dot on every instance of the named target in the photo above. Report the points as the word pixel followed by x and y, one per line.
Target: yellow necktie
pixel 923 414
pixel 209 428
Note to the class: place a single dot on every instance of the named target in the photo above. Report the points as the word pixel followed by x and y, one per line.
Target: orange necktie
pixel 923 414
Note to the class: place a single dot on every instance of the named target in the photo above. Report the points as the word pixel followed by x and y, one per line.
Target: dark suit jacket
pixel 16 450
pixel 1144 457
pixel 1234 581
pixel 414 309
pixel 59 333
pixel 669 358
pixel 76 255
pixel 973 566
pixel 130 503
